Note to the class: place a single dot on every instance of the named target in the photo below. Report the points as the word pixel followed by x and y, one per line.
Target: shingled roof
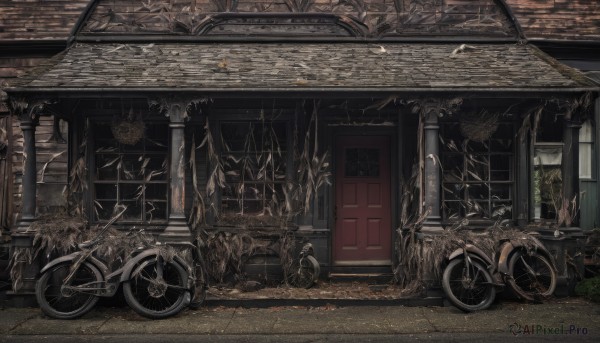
pixel 322 67
pixel 558 19
pixel 39 19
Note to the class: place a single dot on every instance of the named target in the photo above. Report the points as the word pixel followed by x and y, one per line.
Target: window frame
pixel 287 159
pixel 490 201
pixel 94 180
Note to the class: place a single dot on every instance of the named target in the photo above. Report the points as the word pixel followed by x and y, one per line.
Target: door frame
pixel 395 159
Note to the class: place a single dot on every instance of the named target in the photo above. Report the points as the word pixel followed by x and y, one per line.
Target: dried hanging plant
pixel 198 213
pixel 128 129
pixel 313 168
pixel 22 257
pixel 216 177
pixel 479 127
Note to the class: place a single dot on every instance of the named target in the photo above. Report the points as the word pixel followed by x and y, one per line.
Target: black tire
pixel 152 297
pixel 304 272
pixel 473 293
pixel 532 276
pixel 59 302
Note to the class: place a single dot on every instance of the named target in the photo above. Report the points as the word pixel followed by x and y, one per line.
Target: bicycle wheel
pixel 468 287
pixel 532 275
pixel 304 272
pixel 67 301
pixel 157 288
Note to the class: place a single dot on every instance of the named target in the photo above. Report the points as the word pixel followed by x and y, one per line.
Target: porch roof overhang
pixel 303 69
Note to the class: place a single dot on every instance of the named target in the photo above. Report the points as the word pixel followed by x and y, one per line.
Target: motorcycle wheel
pixel 60 302
pixel 468 287
pixel 304 272
pixel 532 276
pixel 153 296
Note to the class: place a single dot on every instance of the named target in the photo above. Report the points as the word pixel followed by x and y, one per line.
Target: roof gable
pixel 373 19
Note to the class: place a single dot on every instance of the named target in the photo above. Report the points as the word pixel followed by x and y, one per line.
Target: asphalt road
pixel 558 320
pixel 312 338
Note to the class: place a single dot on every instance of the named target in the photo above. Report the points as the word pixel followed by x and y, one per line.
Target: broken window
pixel 254 162
pixel 478 176
pixel 132 174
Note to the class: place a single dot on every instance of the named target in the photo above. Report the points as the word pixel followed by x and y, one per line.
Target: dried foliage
pixel 59 235
pixel 126 132
pixel 313 168
pixel 198 213
pixel 479 127
pixel 299 5
pixel 3 137
pixel 21 258
pixel 421 257
pixel 226 253
pixel 216 176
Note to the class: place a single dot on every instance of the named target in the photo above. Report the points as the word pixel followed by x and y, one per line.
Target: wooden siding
pixel 52 169
pixel 14 67
pixel 558 19
pixel 590 216
pixel 39 19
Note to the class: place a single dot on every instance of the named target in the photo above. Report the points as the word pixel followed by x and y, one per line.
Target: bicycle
pixel 471 278
pixel 154 286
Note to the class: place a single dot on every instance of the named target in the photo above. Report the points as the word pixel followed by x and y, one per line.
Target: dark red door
pixel 363 230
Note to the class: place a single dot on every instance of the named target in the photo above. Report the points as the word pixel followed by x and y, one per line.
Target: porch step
pixel 371 278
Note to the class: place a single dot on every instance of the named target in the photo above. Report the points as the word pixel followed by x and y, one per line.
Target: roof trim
pixel 160 38
pixel 509 13
pixel 297 92
pixel 83 18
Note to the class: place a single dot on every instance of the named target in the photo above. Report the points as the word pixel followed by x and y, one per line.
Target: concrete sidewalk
pixel 573 318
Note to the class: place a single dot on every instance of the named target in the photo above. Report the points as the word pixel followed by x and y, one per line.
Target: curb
pixel 266 303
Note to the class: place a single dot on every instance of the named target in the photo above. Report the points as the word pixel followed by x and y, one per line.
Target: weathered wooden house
pixel 345 120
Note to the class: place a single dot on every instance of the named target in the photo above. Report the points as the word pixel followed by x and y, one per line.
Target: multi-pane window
pixel 254 162
pixel 478 177
pixel 132 175
pixel 362 162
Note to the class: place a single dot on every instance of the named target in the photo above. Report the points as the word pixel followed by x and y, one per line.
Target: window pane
pixel 106 191
pixel 362 162
pixel 585 160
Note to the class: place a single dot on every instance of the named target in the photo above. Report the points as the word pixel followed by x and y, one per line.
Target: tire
pixel 154 298
pixel 56 301
pixel 468 294
pixel 304 272
pixel 532 276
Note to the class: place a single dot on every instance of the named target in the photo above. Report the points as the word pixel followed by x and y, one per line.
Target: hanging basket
pixel 126 132
pixel 478 127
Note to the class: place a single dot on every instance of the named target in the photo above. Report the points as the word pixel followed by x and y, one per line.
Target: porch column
pixel 21 237
pixel 28 111
pixel 28 183
pixel 177 230
pixel 432 170
pixel 522 203
pixel 570 163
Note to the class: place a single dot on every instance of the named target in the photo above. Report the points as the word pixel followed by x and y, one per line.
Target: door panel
pixel 363 230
